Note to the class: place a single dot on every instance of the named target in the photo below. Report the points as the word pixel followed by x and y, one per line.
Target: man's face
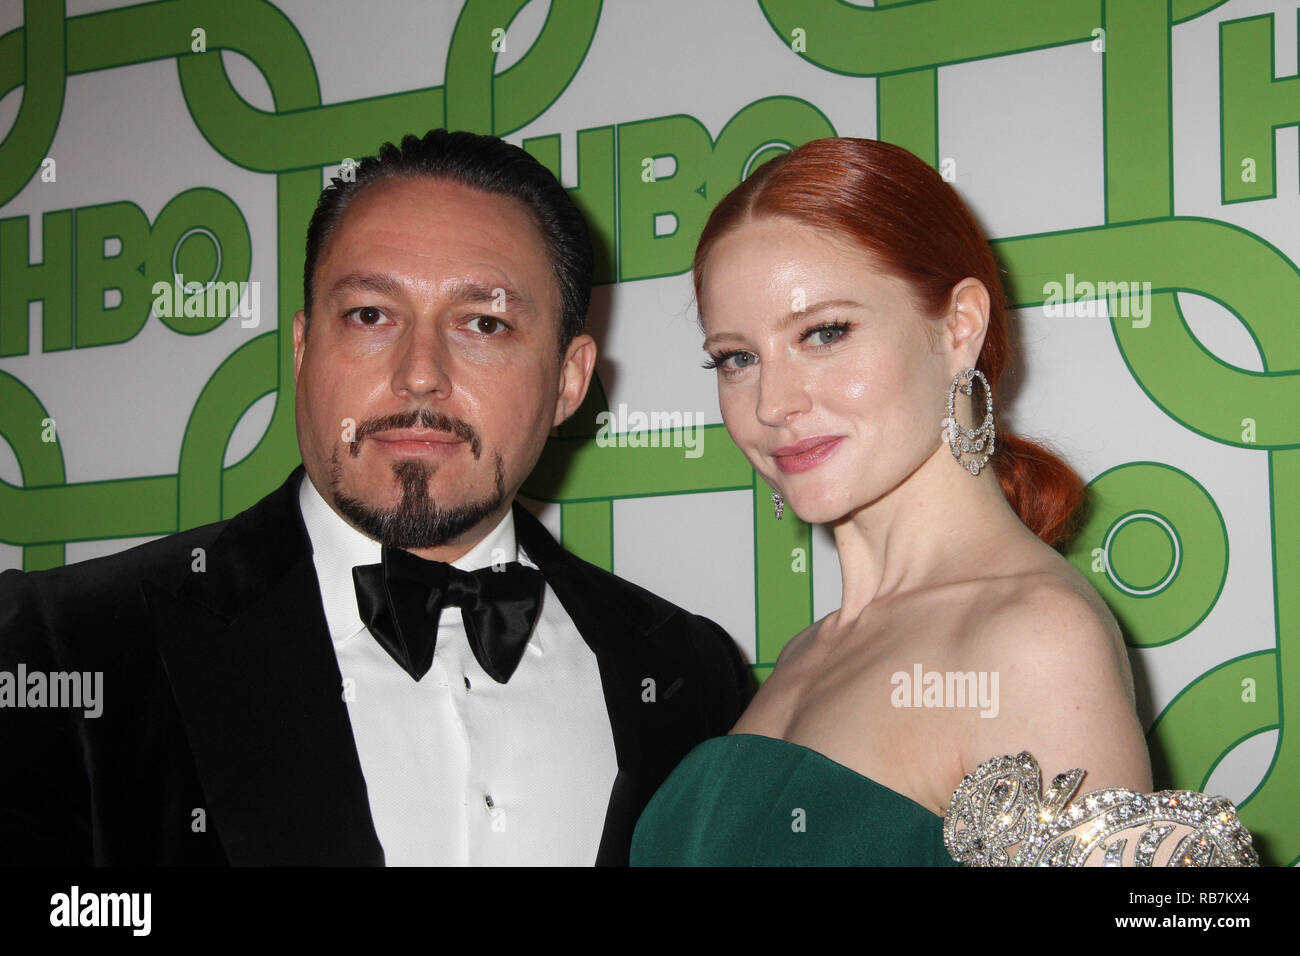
pixel 429 380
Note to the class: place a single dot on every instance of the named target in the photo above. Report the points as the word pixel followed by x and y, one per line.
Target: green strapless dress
pixel 748 800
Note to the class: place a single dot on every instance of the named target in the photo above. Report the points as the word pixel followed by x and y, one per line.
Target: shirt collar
pixel 337 547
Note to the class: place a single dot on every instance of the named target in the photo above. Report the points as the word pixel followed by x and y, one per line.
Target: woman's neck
pixel 940 524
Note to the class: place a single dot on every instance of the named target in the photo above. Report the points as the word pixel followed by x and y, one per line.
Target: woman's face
pixel 826 376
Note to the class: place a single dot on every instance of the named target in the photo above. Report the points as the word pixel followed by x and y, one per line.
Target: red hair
pixel 914 226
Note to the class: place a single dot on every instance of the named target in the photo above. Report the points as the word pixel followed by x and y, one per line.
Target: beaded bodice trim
pixel 1000 807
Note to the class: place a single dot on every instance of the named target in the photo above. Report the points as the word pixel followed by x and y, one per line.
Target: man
pixel 324 689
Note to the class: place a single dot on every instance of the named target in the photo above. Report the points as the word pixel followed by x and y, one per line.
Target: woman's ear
pixel 968 319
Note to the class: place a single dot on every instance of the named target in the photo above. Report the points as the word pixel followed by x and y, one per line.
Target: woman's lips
pixel 806 454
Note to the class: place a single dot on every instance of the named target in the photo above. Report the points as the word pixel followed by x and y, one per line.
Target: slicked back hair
pixel 480 162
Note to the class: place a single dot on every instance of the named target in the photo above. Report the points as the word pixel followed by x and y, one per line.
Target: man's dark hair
pixel 481 162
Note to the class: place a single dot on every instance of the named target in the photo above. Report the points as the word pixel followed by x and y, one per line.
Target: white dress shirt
pixel 462 770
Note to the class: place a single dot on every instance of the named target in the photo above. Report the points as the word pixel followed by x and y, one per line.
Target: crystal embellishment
pixel 965 440
pixel 999 817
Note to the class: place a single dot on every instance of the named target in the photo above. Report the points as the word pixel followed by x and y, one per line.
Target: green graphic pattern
pixel 1156 545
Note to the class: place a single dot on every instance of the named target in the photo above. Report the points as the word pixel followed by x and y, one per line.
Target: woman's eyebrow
pixel 790 318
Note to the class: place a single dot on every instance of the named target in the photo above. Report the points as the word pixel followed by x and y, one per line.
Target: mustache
pixel 418 418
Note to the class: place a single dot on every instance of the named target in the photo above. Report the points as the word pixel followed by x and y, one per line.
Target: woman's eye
pixel 367 315
pixel 731 361
pixel 825 334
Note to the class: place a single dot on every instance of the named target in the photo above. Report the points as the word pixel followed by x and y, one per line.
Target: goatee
pixel 417 521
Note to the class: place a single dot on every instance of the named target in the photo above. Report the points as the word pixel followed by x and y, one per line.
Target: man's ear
pixel 299 341
pixel 575 376
pixel 968 320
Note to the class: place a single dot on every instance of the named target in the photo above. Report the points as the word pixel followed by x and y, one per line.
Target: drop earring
pixel 778 505
pixel 969 439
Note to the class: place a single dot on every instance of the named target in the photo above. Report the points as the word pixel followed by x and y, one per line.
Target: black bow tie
pixel 401 598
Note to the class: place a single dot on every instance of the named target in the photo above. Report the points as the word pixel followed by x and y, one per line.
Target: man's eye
pixel 487 324
pixel 367 315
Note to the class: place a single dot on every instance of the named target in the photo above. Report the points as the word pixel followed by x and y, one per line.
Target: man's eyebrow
pixel 367 282
pixel 467 290
pixel 790 318
pixel 462 290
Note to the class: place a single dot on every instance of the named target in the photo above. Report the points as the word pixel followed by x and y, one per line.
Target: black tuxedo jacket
pixel 224 737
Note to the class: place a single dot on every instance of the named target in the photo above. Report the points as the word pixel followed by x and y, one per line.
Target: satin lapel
pixel 654 724
pixel 248 655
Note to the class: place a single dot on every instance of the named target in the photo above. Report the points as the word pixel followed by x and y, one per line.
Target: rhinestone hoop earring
pixel 969 439
pixel 778 505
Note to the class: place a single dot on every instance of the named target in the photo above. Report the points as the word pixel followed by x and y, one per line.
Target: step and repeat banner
pixel 1135 162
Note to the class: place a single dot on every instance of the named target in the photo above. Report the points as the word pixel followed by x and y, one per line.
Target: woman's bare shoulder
pixel 1046 600
pixel 1065 689
pixel 1043 598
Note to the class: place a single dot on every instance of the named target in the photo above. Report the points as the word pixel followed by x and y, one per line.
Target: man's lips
pixel 806 454
pixel 418 441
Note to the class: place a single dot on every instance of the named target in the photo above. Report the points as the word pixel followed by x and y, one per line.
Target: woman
pixel 851 307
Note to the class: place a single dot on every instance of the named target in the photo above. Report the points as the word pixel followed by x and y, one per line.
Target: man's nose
pixel 782 392
pixel 423 363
